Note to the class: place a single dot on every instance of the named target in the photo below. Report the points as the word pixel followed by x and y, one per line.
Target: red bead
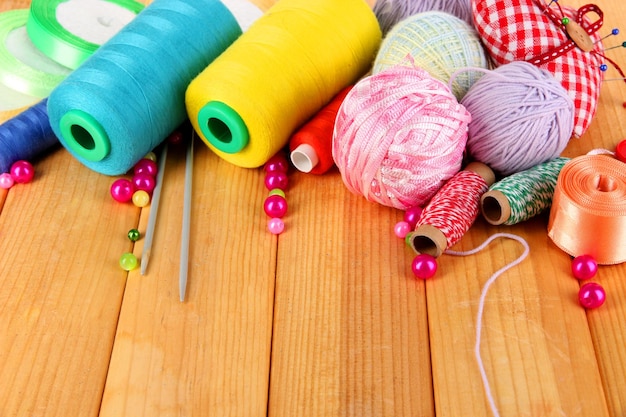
pixel 175 138
pixel 620 151
pixel 584 267
pixel 591 295
pixel 276 179
pixel 424 266
pixel 412 215
pixel 144 182
pixel 146 166
pixel 275 206
pixel 277 163
pixel 22 172
pixel 122 190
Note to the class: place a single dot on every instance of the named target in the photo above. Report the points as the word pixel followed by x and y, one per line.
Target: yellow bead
pixel 141 198
pixel 151 155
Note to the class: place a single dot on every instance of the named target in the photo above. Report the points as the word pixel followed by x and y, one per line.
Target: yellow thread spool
pixel 287 66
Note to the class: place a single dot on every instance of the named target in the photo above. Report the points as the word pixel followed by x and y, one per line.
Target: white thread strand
pixel 481 304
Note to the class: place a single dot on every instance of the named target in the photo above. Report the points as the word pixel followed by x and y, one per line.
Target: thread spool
pixel 26 136
pixel 23 67
pixel 452 210
pixel 522 195
pixel 399 136
pixel 311 146
pixel 390 12
pixel 521 117
pixel 129 95
pixel 13 103
pixel 245 111
pixel 70 31
pixel 438 42
pixel 588 214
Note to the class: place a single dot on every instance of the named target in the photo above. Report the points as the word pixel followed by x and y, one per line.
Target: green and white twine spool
pixel 522 195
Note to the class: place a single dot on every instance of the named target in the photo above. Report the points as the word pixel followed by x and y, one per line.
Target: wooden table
pixel 323 320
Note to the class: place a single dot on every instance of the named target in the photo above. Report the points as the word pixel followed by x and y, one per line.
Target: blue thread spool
pixel 130 94
pixel 26 136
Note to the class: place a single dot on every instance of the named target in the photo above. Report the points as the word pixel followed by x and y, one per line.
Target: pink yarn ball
pixel 399 136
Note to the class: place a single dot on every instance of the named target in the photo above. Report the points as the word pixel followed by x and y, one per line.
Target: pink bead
pixel 6 181
pixel 424 266
pixel 122 190
pixel 401 229
pixel 277 163
pixel 412 215
pixel 584 267
pixel 146 166
pixel 276 179
pixel 275 226
pixel 22 172
pixel 591 295
pixel 144 182
pixel 275 206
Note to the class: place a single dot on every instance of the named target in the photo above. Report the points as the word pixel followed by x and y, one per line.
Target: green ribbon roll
pixel 23 68
pixel 69 31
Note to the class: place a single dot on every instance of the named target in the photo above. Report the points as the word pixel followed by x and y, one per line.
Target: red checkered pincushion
pixel 525 30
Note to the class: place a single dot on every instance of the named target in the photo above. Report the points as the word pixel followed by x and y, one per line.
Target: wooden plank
pixel 209 355
pixel 61 288
pixel 350 331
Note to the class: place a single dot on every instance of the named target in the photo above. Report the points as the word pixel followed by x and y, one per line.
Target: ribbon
pixel 23 68
pixel 70 31
pixel 588 214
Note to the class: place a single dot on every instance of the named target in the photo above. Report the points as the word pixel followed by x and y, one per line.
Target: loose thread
pixel 481 304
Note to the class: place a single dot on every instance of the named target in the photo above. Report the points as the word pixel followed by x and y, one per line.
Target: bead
pixel 620 150
pixel 277 163
pixel 565 21
pixel 6 181
pixel 151 156
pixel 22 172
pixel 276 226
pixel 275 206
pixel 412 215
pixel 591 295
pixel 146 166
pixel 141 198
pixel 424 266
pixel 175 138
pixel 276 179
pixel 603 67
pixel 122 190
pixel 144 182
pixel 401 229
pixel 128 261
pixel 408 238
pixel 134 235
pixel 584 267
pixel 277 191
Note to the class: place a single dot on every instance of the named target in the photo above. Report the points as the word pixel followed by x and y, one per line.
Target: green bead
pixel 134 235
pixel 128 261
pixel 277 191
pixel 408 239
pixel 565 21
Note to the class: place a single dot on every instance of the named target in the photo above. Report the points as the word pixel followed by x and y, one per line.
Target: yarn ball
pixel 390 12
pixel 526 30
pixel 399 136
pixel 438 42
pixel 521 116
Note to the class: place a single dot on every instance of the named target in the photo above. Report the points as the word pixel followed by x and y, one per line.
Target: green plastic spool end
pixel 223 127
pixel 84 135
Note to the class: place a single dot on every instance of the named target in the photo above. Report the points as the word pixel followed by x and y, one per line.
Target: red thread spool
pixel 452 210
pixel 311 145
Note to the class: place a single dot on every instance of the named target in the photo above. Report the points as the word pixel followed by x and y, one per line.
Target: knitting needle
pixel 154 208
pixel 184 247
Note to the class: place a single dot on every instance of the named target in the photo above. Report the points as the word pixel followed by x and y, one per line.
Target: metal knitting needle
pixel 154 208
pixel 184 246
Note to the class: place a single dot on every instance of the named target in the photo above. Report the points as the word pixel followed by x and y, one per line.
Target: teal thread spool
pixel 129 95
pixel 522 195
